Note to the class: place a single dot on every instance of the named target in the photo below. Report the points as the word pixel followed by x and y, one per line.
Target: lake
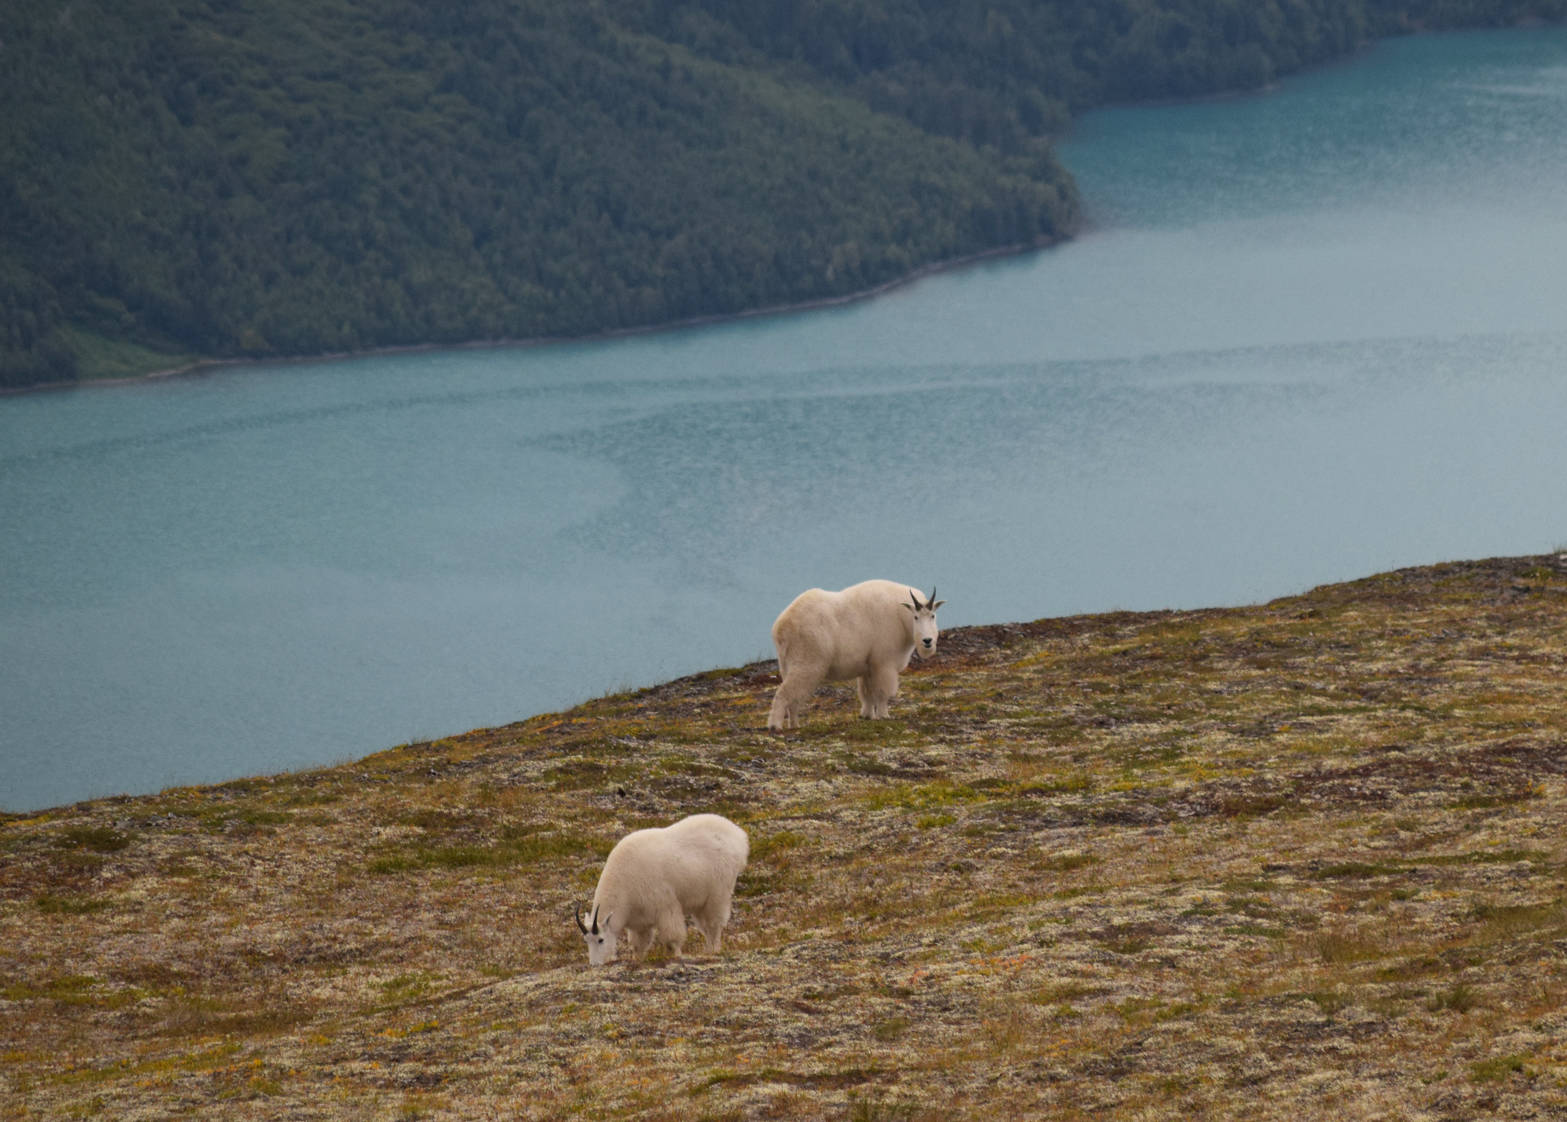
pixel 1308 335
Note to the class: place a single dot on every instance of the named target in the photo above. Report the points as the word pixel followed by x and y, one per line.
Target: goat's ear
pixel 937 604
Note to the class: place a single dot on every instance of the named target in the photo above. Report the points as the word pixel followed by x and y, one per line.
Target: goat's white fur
pixel 867 631
pixel 654 878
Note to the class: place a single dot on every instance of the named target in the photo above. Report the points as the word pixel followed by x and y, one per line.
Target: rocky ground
pixel 1299 860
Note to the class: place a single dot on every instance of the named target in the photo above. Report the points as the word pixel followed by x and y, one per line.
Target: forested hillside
pixel 180 178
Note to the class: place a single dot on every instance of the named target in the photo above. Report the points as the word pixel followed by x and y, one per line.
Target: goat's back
pixel 844 630
pixel 688 860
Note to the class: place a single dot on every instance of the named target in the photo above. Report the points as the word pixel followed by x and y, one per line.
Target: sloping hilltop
pixel 1305 859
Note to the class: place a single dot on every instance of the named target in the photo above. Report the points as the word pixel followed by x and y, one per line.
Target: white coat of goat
pixel 654 878
pixel 867 631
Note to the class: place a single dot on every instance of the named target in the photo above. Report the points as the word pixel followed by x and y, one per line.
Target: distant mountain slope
pixel 294 178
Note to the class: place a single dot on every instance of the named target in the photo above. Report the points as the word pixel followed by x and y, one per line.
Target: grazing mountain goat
pixel 654 878
pixel 867 632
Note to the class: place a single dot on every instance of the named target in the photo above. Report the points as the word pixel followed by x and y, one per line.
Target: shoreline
pixel 205 365
pixel 212 365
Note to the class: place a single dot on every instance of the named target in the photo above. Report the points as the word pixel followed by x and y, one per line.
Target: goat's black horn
pixel 577 910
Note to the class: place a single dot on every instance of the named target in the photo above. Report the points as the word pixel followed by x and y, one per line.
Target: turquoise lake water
pixel 1309 335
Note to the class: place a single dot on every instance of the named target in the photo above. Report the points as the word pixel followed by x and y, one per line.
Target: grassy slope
pixel 1303 859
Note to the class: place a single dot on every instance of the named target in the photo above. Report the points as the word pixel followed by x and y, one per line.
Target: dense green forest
pixel 181 178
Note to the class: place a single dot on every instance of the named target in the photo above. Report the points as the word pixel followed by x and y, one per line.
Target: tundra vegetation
pixel 185 180
pixel 1306 859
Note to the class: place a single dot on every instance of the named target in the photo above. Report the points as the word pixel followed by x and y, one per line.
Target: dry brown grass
pixel 1304 859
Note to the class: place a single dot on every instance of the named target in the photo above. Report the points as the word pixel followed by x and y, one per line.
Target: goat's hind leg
pixel 710 922
pixel 789 703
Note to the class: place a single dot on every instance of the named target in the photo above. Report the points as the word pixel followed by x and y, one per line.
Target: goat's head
pixel 924 622
pixel 598 936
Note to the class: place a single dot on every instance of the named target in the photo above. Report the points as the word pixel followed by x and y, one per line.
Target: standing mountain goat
pixel 654 878
pixel 867 632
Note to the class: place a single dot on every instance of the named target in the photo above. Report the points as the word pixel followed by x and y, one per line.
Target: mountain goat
pixel 866 632
pixel 654 878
